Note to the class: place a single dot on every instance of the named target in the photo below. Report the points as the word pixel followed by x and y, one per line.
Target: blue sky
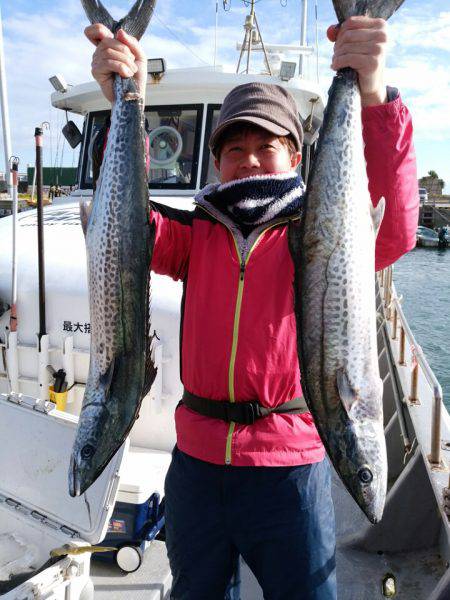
pixel 46 37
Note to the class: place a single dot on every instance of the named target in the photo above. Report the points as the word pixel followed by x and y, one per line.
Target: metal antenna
pixel 303 36
pixel 5 113
pixel 215 31
pixel 252 37
pixel 317 40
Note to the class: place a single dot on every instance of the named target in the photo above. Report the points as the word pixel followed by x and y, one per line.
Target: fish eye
pixel 365 475
pixel 87 451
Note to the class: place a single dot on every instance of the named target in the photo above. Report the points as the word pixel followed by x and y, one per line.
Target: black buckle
pixel 245 413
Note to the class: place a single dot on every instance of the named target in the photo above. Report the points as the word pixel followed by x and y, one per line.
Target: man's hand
pixel 122 55
pixel 361 44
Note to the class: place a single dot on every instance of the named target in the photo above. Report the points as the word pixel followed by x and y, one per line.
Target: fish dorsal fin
pixel 377 214
pixel 371 8
pixel 150 368
pixel 134 23
pixel 347 393
pixel 85 213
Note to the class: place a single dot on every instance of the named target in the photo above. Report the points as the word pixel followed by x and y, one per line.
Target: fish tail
pixel 371 8
pixel 134 23
pixel 97 13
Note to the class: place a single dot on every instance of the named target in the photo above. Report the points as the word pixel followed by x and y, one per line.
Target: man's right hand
pixel 122 55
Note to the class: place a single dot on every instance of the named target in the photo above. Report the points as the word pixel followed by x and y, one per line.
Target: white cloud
pixel 421 28
pixel 417 62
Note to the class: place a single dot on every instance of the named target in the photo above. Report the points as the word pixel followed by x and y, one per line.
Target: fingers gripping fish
pixel 119 243
pixel 334 255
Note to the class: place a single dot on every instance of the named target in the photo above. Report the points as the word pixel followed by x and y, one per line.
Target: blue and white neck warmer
pixel 256 200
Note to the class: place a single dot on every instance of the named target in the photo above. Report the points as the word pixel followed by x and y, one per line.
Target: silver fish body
pixel 334 250
pixel 119 243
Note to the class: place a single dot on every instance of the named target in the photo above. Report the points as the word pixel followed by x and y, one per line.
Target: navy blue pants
pixel 279 519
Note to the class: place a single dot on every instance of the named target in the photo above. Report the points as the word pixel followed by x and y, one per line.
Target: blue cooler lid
pixel 35 453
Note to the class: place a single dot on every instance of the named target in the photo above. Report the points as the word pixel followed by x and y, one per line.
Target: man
pixel 258 484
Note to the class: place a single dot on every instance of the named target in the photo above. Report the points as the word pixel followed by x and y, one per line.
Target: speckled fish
pixel 119 242
pixel 334 254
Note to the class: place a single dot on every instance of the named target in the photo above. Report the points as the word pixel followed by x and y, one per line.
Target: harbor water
pixel 422 278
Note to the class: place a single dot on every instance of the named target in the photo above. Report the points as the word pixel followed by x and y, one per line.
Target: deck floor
pixel 360 574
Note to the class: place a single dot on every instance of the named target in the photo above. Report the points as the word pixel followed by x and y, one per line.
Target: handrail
pixel 391 301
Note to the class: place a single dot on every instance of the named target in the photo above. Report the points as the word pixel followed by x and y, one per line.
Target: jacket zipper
pixel 237 315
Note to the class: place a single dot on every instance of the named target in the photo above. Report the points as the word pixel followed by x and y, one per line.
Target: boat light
pixel 59 83
pixel 156 67
pixel 287 70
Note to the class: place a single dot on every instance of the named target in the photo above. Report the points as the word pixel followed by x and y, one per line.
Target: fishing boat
pixel 428 238
pixel 406 555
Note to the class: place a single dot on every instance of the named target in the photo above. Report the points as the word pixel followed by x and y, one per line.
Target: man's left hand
pixel 361 44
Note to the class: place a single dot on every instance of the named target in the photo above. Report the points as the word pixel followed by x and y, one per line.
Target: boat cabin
pixel 181 109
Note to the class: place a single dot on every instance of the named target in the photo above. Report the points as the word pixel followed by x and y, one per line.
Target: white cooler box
pixel 139 510
pixel 37 514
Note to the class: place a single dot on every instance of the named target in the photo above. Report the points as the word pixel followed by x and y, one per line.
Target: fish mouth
pixel 74 479
pixel 374 513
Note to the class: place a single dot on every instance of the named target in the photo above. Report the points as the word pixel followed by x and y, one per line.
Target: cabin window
pixel 209 171
pixel 174 137
pixel 96 123
pixel 174 145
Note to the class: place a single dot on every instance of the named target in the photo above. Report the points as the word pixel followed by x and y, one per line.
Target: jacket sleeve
pixel 173 233
pixel 392 173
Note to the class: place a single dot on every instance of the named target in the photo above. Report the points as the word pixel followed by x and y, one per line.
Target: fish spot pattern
pixel 118 245
pixel 339 250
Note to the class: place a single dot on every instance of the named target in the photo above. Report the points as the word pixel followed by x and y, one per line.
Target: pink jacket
pixel 238 330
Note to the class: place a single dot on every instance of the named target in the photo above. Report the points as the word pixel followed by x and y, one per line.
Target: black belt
pixel 245 413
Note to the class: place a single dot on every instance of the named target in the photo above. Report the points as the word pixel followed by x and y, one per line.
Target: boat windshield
pixel 174 137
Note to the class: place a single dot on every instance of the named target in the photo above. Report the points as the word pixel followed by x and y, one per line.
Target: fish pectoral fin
pixel 347 393
pixel 377 214
pixel 85 213
pixel 106 378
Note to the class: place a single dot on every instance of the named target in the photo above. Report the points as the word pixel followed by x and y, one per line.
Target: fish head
pixel 363 463
pixel 369 483
pixel 90 453
pixel 357 442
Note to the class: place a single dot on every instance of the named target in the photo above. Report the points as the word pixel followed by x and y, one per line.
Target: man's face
pixel 254 152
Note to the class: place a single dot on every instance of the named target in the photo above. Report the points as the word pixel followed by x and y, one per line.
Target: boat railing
pixel 410 356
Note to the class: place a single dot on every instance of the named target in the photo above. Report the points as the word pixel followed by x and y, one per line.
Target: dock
pixel 434 214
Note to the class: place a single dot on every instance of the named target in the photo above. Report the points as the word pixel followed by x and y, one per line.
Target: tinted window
pixel 174 137
pixel 209 171
pixel 174 145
